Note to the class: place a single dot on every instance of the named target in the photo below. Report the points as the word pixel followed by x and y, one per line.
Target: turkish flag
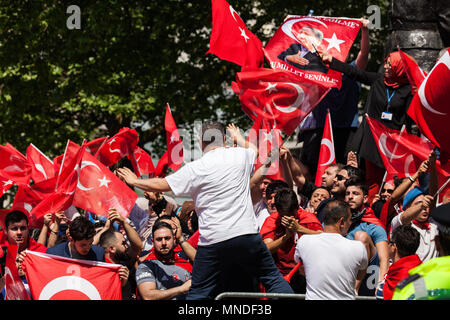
pixel 42 167
pixel 293 46
pixel 402 153
pixel 278 97
pixel 99 189
pixel 326 155
pixel 415 74
pixel 118 146
pixel 66 183
pixel 173 157
pixel 52 277
pixel 429 107
pixel 142 162
pixel 268 140
pixel 5 184
pixel 231 40
pixel 14 165
pixel 14 287
pixel 95 145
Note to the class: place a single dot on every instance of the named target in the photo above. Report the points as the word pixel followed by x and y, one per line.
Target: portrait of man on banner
pixel 295 47
pixel 303 54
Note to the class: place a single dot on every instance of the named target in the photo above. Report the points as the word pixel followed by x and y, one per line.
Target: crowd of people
pixel 244 231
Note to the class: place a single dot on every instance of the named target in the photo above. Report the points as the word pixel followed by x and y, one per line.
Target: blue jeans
pixel 247 253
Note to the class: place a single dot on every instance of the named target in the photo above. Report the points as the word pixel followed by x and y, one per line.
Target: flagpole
pixel 441 188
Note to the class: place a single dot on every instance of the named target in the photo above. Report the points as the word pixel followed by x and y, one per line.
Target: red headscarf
pixel 399 75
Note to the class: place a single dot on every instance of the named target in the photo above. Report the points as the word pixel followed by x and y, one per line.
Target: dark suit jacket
pixel 315 63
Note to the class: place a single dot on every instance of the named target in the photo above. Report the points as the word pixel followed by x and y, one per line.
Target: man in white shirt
pixel 219 184
pixel 331 262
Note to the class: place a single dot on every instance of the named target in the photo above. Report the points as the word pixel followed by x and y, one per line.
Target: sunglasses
pixel 340 177
pixel 387 190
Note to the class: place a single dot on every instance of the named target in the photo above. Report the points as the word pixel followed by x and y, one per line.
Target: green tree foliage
pixel 126 62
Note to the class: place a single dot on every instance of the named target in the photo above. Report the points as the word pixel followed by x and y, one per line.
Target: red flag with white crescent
pixel 14 287
pixel 42 166
pixel 430 106
pixel 293 47
pixel 326 155
pixel 118 146
pixel 277 97
pixel 95 145
pixel 402 153
pixel 14 165
pixel 52 277
pixel 66 183
pixel 230 38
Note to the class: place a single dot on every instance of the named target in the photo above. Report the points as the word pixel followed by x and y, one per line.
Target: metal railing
pixel 259 295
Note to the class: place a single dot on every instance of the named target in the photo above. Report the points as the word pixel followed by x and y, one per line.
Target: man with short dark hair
pixel 81 236
pixel 332 263
pixel 402 250
pixel 367 228
pixel 163 275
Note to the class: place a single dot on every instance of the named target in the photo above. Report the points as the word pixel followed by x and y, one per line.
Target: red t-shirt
pixel 272 228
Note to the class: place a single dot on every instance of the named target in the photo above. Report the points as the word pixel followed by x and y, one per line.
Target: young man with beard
pixel 368 229
pixel 163 275
pixel 338 188
pixel 118 251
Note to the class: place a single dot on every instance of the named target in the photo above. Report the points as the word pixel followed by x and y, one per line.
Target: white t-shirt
pixel 219 184
pixel 261 213
pixel 331 264
pixel 427 247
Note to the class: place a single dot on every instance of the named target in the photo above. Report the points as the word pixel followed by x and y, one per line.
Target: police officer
pixel 431 280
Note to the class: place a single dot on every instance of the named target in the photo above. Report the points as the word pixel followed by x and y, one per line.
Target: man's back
pixel 219 184
pixel 331 265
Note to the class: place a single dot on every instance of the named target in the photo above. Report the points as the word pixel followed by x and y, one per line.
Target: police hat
pixel 441 215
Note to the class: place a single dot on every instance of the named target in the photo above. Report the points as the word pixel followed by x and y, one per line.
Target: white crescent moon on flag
pixel 69 283
pixel 287 27
pixel 421 92
pixel 297 103
pixel 384 149
pixel 27 207
pixel 232 11
pixel 329 145
pixel 9 274
pixel 83 165
pixel 408 161
pixel 40 168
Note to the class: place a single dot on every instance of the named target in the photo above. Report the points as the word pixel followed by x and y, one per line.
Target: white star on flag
pixel 104 182
pixel 243 34
pixel 334 42
pixel 268 136
pixel 271 87
pixel 6 183
pixel 173 138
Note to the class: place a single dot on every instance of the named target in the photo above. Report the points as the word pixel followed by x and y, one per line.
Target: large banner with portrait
pixel 295 45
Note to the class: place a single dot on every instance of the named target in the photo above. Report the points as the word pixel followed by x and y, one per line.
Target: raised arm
pixel 363 54
pixel 135 241
pixel 352 72
pixel 153 184
pixel 413 211
pixel 239 139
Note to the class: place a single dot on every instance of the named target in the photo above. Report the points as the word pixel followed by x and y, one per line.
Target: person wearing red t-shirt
pixel 17 233
pixel 283 228
pixel 402 250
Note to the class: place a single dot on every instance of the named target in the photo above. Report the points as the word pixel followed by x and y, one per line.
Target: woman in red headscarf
pixel 387 102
